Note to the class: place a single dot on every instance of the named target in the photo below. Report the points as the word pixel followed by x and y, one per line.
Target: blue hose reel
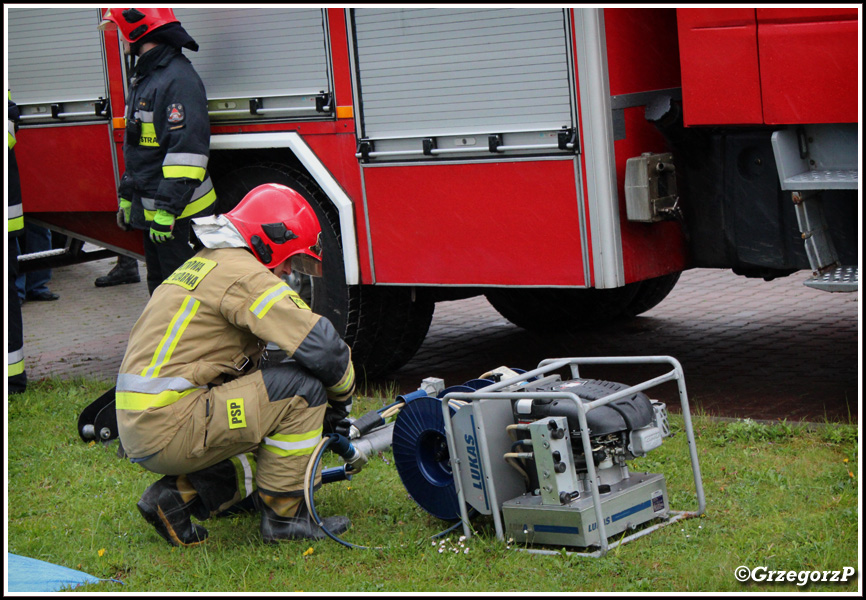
pixel 420 449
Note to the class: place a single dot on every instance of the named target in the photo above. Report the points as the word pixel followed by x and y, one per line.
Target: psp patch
pixel 175 113
pixel 237 416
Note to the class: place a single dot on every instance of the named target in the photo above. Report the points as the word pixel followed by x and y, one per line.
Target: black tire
pixel 650 293
pixel 552 310
pixel 383 326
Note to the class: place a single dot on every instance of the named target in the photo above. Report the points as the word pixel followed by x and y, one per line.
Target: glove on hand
pixel 160 229
pixel 124 214
pixel 336 421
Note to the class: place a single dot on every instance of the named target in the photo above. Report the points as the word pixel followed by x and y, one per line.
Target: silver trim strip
pixel 598 148
pixel 293 141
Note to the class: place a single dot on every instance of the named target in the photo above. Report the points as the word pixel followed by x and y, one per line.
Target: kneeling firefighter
pixel 196 403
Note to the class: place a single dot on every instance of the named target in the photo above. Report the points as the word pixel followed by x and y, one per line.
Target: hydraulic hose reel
pixel 545 457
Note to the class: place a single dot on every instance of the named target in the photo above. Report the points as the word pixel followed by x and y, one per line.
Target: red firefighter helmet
pixel 133 23
pixel 278 223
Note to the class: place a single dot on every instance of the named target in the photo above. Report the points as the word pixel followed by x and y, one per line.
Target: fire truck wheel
pixel 551 310
pixel 650 293
pixel 384 326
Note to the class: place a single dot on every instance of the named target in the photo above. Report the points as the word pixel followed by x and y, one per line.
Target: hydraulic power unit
pixel 546 457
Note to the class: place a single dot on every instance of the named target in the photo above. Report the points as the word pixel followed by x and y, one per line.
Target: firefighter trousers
pixel 16 375
pixel 162 259
pixel 263 427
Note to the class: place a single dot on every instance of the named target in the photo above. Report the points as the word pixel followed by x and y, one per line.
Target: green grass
pixel 783 496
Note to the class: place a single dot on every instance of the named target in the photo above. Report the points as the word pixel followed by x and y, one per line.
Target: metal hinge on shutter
pixel 288 106
pixel 65 111
pixel 471 145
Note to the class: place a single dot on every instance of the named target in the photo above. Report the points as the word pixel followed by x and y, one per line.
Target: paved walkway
pixel 749 348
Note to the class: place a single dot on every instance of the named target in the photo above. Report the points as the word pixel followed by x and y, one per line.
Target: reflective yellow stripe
pixel 139 401
pixel 199 205
pixel 172 335
pixel 15 369
pixel 11 140
pixel 175 171
pixel 347 383
pixel 264 302
pixel 245 471
pixel 16 224
pixel 301 444
pixel 148 135
pixel 191 209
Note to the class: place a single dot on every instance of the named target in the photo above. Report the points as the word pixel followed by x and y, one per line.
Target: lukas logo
pixel 237 417
pixel 474 463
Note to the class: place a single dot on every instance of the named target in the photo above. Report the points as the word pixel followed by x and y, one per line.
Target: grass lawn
pixel 779 496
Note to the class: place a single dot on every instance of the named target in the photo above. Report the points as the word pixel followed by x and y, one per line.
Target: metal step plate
pixel 840 279
pixel 839 179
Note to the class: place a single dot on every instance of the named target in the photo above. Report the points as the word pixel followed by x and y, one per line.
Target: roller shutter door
pixel 441 72
pixel 57 65
pixel 275 55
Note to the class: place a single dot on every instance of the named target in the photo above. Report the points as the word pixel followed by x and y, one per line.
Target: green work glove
pixel 124 214
pixel 160 229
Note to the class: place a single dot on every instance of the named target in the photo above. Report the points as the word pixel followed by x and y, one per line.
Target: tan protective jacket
pixel 206 324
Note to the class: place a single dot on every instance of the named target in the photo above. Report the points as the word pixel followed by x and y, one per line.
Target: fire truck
pixel 569 164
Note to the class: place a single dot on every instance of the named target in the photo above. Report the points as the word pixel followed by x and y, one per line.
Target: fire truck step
pixel 840 279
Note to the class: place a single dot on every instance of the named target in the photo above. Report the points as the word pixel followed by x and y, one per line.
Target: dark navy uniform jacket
pixel 167 140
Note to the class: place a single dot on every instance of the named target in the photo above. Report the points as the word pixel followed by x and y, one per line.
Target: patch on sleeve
pixel 190 273
pixel 299 302
pixel 175 113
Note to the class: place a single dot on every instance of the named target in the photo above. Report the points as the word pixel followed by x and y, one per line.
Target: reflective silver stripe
pixel 247 486
pixel 185 159
pixel 144 115
pixel 148 203
pixel 203 189
pixel 15 211
pixel 287 448
pixel 264 302
pixel 10 126
pixel 129 382
pixel 15 356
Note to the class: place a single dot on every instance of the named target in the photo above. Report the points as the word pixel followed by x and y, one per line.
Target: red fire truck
pixel 568 164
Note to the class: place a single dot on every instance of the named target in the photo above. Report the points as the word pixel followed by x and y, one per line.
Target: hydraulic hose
pixel 309 478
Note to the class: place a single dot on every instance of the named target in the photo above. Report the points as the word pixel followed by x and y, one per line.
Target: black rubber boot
pixel 125 271
pixel 276 528
pixel 163 506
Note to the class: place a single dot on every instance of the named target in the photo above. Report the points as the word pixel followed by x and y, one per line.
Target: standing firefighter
pixel 16 375
pixel 192 402
pixel 167 141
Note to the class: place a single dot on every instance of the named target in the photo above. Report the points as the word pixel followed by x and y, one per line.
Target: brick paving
pixel 749 348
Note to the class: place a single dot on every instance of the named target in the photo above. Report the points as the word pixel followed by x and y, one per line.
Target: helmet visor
pixel 306 264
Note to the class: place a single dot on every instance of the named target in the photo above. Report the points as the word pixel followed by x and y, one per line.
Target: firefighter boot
pixel 125 271
pixel 300 526
pixel 168 505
